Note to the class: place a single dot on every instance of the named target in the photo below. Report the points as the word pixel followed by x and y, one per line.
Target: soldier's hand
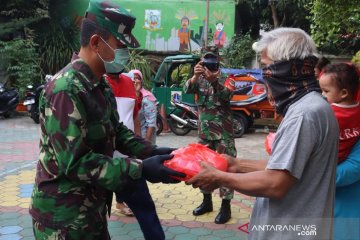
pixel 211 76
pixel 198 69
pixel 162 151
pixel 154 170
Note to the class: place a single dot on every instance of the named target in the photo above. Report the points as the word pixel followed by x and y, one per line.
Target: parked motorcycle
pixel 32 97
pixel 9 99
pixel 183 118
pixel 159 124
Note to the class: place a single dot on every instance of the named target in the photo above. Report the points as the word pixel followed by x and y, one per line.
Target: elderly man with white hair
pixel 295 188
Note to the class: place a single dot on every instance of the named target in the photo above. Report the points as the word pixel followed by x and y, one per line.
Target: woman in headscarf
pixel 148 111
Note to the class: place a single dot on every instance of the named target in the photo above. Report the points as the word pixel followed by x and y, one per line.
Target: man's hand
pixel 207 179
pixel 211 76
pixel 162 151
pixel 232 163
pixel 154 170
pixel 198 70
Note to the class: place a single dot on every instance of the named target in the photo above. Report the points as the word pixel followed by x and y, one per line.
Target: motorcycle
pixel 159 124
pixel 9 99
pixel 183 118
pixel 32 100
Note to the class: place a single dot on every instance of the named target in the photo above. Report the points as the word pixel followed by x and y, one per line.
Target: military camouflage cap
pixel 210 52
pixel 114 18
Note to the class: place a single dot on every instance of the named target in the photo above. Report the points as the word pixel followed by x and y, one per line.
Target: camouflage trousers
pixel 45 233
pixel 223 146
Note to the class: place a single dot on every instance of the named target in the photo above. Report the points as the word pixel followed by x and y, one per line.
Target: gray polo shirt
pixel 306 145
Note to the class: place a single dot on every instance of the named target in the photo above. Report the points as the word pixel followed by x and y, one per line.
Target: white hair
pixel 286 43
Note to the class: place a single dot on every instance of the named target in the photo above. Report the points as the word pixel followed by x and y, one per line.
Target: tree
pixel 15 15
pixel 239 52
pixel 21 63
pixel 336 25
pixel 280 13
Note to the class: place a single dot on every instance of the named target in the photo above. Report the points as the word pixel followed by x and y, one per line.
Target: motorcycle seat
pixel 189 104
pixel 8 94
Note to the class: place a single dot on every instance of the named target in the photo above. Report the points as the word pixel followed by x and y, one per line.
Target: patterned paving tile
pixel 18 154
pixel 10 230
pixel 11 237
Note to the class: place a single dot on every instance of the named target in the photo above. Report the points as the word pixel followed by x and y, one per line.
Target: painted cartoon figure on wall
pixel 219 35
pixel 219 19
pixel 184 34
pixel 152 20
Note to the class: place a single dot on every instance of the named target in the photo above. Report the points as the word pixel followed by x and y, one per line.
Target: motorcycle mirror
pixel 48 77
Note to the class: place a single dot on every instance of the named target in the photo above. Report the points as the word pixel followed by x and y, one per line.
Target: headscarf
pixel 290 80
pixel 144 92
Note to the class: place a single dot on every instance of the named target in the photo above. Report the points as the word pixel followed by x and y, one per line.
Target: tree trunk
pixel 275 16
pixel 283 21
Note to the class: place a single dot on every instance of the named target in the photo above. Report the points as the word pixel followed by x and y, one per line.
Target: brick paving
pixel 19 138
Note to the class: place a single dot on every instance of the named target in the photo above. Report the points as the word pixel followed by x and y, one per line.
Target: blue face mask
pixel 117 65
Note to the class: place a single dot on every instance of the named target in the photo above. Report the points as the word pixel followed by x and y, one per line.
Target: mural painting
pixel 171 25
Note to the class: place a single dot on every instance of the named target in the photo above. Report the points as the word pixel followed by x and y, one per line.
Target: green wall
pixel 161 34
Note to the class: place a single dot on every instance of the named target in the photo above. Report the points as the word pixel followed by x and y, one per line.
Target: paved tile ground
pixel 19 138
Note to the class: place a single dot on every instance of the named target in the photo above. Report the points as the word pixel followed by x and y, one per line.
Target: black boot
pixel 225 212
pixel 205 206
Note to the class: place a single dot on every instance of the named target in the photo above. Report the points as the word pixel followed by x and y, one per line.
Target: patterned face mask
pixel 290 80
pixel 117 65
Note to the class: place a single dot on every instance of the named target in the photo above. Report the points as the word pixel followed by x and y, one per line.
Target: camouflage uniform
pixel 215 120
pixel 76 174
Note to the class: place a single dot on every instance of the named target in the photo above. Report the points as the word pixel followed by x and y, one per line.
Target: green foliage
pixel 356 59
pixel 21 63
pixel 336 25
pixel 181 74
pixel 140 62
pixel 17 14
pixel 280 13
pixel 239 52
pixel 24 8
pixel 56 45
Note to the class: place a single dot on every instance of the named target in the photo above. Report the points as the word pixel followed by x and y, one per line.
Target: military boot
pixel 225 212
pixel 205 206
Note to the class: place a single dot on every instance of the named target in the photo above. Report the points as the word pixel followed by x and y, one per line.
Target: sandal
pixel 124 209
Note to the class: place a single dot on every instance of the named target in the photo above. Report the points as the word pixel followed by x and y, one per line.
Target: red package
pixel 187 160
pixel 269 142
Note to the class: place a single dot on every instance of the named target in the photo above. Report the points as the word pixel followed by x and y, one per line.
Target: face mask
pixel 117 65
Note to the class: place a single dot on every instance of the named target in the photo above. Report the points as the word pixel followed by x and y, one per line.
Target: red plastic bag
pixel 269 142
pixel 187 160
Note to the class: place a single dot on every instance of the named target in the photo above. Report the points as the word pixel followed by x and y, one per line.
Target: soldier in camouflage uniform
pixel 215 123
pixel 80 130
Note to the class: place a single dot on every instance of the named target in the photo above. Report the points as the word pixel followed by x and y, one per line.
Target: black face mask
pixel 288 81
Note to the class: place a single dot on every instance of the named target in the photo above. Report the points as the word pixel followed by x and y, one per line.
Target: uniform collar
pixel 90 80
